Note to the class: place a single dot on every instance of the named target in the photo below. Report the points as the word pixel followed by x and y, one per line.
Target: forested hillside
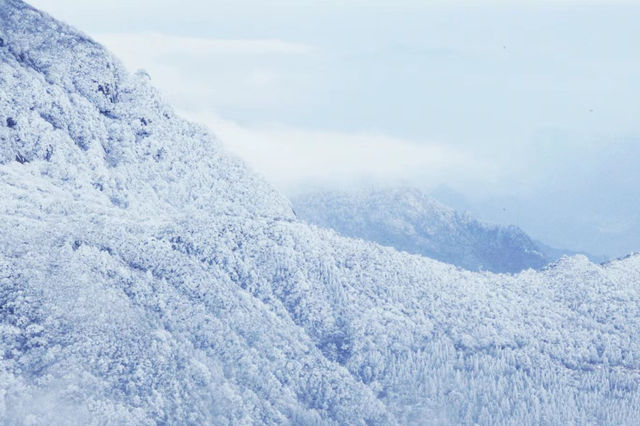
pixel 412 221
pixel 147 277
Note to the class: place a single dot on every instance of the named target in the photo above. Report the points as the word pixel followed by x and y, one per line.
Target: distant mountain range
pixel 412 221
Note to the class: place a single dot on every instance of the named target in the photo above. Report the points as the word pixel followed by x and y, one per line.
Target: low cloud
pixel 154 44
pixel 290 156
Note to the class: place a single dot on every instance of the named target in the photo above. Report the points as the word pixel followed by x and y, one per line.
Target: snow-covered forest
pixel 410 220
pixel 148 277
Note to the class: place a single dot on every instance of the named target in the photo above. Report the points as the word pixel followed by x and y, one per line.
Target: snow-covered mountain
pixel 412 221
pixel 147 277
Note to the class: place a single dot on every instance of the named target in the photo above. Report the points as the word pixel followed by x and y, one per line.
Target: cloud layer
pixel 291 156
pixel 154 45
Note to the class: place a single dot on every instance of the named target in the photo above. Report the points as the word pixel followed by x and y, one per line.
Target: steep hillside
pixel 146 277
pixel 410 220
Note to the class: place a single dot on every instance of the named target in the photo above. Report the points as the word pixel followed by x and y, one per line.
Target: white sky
pixel 523 112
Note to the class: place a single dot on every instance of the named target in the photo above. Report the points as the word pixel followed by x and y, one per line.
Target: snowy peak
pixel 68 107
pixel 62 55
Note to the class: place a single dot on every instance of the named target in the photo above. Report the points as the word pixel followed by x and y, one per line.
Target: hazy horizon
pixel 522 114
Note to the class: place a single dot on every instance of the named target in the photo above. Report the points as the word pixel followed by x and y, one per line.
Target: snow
pixel 146 277
pixel 410 220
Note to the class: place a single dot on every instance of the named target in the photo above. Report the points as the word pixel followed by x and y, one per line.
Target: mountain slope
pixel 147 277
pixel 409 220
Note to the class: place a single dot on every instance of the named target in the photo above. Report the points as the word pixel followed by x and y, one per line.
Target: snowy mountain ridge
pixel 410 220
pixel 147 277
